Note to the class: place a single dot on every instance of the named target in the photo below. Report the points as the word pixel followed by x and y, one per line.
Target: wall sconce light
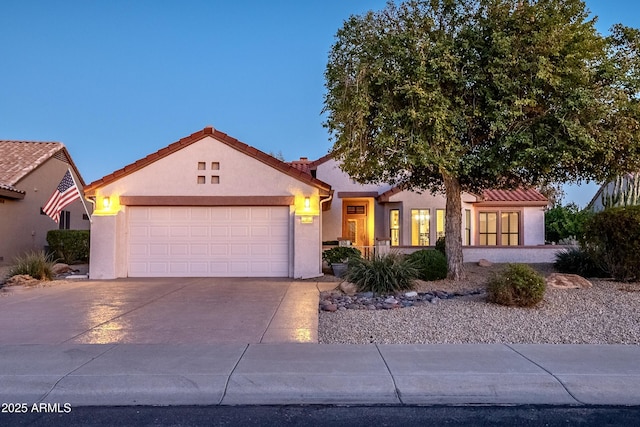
pixel 307 203
pixel 106 202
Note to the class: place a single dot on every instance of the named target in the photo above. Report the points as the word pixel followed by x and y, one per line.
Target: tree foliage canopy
pixel 465 95
pixel 497 93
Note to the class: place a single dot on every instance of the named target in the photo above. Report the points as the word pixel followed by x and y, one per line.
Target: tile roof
pixel 284 167
pixel 518 195
pixel 302 165
pixel 18 158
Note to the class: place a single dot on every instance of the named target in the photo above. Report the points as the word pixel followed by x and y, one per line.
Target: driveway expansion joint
pixel 53 387
pixel 548 372
pixel 396 391
pixel 226 383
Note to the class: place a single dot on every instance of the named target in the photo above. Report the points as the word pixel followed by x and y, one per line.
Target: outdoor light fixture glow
pixel 307 203
pixel 106 202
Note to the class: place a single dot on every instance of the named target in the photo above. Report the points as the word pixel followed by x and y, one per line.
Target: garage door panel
pixel 159 214
pixel 217 231
pixel 208 241
pixel 199 249
pixel 199 231
pixel 179 249
pixel 240 231
pixel 159 231
pixel 157 268
pixel 180 214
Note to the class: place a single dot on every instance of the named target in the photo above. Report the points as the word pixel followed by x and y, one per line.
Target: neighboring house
pixel 207 205
pixel 622 191
pixel 494 223
pixel 29 174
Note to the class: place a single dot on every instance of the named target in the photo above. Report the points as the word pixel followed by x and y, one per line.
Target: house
pixel 504 226
pixel 207 205
pixel 622 191
pixel 29 174
pixel 210 205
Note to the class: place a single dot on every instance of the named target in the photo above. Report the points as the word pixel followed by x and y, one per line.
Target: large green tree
pixel 465 95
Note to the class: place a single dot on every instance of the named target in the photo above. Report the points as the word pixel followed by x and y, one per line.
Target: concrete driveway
pixel 161 311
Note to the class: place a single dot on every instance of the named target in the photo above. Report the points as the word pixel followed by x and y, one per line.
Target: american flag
pixel 66 193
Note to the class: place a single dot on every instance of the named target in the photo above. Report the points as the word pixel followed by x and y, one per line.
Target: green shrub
pixel 36 264
pixel 340 254
pixel 388 273
pixel 430 264
pixel 517 285
pixel 612 238
pixel 577 261
pixel 69 245
pixel 565 222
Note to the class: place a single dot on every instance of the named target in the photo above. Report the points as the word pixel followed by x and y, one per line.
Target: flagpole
pixel 81 195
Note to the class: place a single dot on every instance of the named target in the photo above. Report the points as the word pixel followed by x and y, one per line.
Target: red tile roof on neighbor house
pixel 19 158
pixel 286 168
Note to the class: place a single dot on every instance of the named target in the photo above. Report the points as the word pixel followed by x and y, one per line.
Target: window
pixel 215 179
pixel 508 228
pixel 440 219
pixel 215 166
pixel 202 166
pixel 356 210
pixel 201 179
pixel 467 227
pixel 488 228
pixel 420 227
pixel 394 227
pixel 65 220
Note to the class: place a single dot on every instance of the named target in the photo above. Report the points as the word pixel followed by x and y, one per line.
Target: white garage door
pixel 208 241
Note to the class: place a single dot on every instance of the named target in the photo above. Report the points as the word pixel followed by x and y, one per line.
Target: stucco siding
pixel 23 228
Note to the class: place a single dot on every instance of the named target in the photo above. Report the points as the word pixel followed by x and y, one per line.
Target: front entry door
pixel 355 225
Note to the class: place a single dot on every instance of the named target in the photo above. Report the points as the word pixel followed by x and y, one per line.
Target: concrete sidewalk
pixel 264 374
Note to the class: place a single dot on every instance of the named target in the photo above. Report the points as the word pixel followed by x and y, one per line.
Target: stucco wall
pixel 176 175
pixel 22 227
pixel 533 226
pixel 330 173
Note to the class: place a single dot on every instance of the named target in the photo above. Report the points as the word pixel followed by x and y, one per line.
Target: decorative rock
pixel 567 281
pixel 484 263
pixel 61 268
pixel 330 307
pixel 334 301
pixel 348 288
pixel 21 280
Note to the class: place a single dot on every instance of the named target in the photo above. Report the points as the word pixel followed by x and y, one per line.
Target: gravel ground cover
pixel 607 313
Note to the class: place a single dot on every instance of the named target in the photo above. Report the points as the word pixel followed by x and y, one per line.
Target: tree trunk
pixel 453 228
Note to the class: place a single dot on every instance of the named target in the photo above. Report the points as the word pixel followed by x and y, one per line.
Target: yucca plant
pixel 36 264
pixel 382 274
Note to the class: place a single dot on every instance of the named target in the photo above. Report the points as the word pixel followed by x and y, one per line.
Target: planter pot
pixel 339 269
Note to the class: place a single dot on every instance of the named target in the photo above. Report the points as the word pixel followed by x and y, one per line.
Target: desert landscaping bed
pixel 606 313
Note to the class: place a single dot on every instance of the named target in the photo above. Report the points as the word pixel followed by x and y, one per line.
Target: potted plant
pixel 338 258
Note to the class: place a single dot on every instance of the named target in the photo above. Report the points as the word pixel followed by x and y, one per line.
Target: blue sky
pixel 115 80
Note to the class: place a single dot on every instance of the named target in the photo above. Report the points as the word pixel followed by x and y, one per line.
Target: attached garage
pixel 199 241
pixel 207 205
